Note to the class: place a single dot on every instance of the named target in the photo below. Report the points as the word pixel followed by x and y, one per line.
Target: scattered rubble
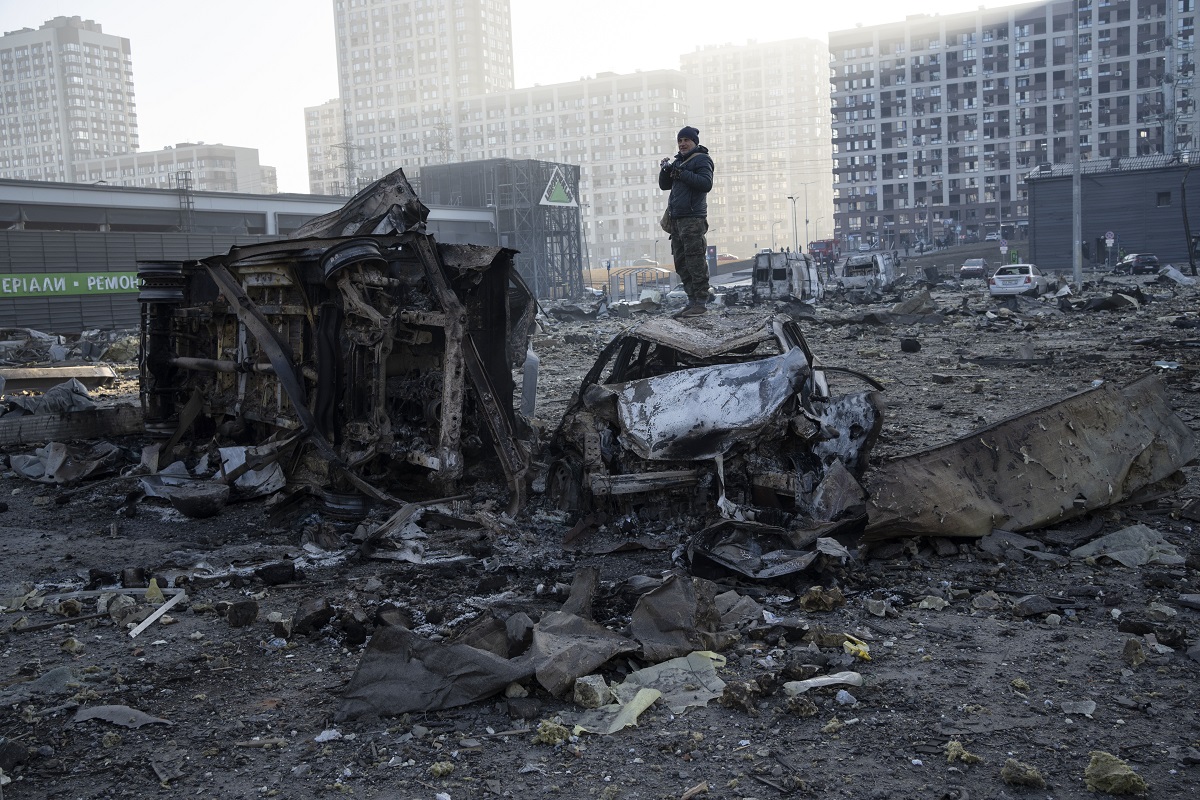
pixel 703 561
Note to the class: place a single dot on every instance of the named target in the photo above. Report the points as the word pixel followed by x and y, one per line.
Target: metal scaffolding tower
pixel 187 203
pixel 537 213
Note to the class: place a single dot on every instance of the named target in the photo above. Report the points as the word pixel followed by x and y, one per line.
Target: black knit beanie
pixel 688 132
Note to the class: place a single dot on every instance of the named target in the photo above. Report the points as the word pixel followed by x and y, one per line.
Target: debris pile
pixel 563 554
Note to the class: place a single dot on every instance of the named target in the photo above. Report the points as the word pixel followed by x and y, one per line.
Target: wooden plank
pixel 94 423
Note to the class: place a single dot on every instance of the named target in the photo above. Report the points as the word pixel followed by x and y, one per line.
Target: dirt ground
pixel 966 674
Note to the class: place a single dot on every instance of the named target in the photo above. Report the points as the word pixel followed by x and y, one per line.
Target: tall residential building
pixel 330 154
pixel 615 127
pixel 938 118
pixel 766 120
pixel 66 95
pixel 427 82
pixel 197 166
pixel 403 65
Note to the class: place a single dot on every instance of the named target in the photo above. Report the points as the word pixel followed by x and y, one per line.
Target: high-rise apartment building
pixel 402 67
pixel 66 95
pixel 615 127
pixel 191 165
pixel 766 120
pixel 938 118
pixel 431 82
pixel 330 153
pixel 427 82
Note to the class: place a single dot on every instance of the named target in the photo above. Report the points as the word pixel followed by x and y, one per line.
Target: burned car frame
pixel 374 360
pixel 674 420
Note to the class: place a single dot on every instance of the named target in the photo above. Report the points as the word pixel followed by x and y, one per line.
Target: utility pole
pixel 1073 107
pixel 349 165
pixel 794 199
pixel 183 183
pixel 806 239
pixel 443 143
pixel 795 248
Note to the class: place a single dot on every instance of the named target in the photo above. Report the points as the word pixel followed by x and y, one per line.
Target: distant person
pixel 689 177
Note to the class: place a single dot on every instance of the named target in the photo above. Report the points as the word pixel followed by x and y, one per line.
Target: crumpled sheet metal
pixel 724 404
pixel 60 463
pixel 750 549
pixel 762 552
pixel 1063 460
pixel 389 204
pixel 697 343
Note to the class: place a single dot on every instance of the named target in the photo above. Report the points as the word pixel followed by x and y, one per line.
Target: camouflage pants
pixel 689 249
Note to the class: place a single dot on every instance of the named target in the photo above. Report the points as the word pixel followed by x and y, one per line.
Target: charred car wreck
pixel 372 361
pixel 362 362
pixel 672 420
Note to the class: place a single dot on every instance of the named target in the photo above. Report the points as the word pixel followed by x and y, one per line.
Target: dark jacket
pixel 690 180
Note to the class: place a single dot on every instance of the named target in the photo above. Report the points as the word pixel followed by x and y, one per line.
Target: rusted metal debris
pixel 375 359
pixel 671 420
pixel 370 362
pixel 1092 450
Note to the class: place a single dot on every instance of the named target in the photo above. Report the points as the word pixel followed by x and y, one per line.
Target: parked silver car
pixel 973 268
pixel 1018 279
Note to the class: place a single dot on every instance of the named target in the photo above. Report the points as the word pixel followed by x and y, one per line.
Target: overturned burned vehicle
pixel 672 419
pixel 363 357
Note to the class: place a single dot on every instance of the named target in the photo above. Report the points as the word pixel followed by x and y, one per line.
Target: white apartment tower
pixel 937 119
pixel 402 67
pixel 330 153
pixel 616 127
pixel 766 120
pixel 188 165
pixel 66 95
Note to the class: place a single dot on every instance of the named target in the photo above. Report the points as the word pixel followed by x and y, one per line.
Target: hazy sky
pixel 240 72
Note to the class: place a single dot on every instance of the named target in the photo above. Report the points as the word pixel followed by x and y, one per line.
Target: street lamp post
pixel 806 220
pixel 656 252
pixel 773 224
pixel 806 239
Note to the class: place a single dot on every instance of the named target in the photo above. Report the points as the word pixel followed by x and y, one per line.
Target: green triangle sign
pixel 558 193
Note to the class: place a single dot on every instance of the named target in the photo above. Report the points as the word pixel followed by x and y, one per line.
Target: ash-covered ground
pixel 996 669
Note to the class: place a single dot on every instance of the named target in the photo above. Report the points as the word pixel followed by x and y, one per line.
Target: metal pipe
pixel 218 365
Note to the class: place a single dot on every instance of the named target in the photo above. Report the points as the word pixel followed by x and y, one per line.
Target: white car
pixel 992 237
pixel 1018 279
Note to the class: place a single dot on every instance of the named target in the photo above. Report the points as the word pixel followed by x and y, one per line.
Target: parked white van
pixel 867 271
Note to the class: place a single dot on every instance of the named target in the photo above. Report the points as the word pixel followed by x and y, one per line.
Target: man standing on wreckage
pixel 689 177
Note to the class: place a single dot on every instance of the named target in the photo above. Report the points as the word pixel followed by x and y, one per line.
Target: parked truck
pixel 823 251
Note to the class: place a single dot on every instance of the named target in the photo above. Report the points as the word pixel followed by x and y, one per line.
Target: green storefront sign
pixel 62 284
